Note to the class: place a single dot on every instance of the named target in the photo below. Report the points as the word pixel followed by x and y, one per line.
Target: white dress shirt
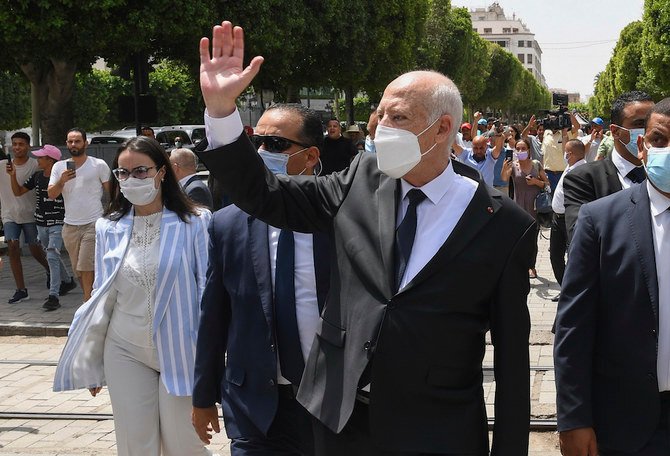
pixel 558 200
pixel 660 228
pixel 623 168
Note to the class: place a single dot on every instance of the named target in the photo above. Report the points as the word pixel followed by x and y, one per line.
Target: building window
pixel 522 58
pixel 501 43
pixel 506 30
pixel 529 44
pixel 521 43
pixel 530 58
pixel 482 18
pixel 515 30
pixel 487 30
pixel 474 29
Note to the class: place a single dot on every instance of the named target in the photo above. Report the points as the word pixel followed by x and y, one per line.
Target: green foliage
pixel 656 48
pixel 95 99
pixel 14 101
pixel 177 94
pixel 361 109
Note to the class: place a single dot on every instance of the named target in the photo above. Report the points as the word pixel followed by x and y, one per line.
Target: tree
pixel 656 48
pixel 95 95
pixel 50 40
pixel 503 79
pixel 14 101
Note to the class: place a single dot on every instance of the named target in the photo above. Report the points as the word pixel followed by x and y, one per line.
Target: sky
pixel 576 36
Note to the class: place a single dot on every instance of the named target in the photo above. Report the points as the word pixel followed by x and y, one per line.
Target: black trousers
pixel 354 440
pixel 290 433
pixel 558 245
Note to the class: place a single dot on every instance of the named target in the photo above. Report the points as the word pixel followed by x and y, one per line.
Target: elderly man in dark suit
pixel 621 169
pixel 253 337
pixel 184 164
pixel 612 348
pixel 396 365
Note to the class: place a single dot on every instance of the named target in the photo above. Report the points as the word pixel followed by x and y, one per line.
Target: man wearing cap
pixel 592 141
pixel 464 137
pixel 49 216
pixel 17 213
pixel 337 150
pixel 355 135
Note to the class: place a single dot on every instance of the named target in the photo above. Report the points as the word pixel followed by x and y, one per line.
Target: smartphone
pixel 9 164
pixel 509 154
pixel 71 166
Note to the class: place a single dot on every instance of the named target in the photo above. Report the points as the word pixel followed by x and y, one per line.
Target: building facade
pixel 511 34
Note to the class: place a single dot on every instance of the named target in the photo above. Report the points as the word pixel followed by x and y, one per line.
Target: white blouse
pixel 135 284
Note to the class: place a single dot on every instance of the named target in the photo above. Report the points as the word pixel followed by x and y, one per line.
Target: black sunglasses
pixel 274 143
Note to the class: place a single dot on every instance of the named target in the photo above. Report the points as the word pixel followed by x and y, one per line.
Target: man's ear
pixel 446 123
pixel 312 155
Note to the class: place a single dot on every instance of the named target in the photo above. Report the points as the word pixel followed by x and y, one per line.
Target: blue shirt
pixel 485 167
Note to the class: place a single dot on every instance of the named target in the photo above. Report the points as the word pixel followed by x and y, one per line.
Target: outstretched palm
pixel 222 77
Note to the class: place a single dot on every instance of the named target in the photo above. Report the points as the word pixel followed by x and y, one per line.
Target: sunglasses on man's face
pixel 274 143
pixel 140 172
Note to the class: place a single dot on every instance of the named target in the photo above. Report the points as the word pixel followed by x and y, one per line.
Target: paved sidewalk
pixel 26 388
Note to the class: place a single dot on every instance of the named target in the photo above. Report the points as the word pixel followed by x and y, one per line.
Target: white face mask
pixel 398 151
pixel 139 192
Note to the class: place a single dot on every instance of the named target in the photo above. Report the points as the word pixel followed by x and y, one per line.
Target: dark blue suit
pixel 607 325
pixel 238 321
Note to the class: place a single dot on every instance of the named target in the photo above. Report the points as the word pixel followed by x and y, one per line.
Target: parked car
pixel 102 139
pixel 195 132
pixel 167 138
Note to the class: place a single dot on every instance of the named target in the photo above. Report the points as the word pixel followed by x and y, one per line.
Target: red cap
pixel 466 125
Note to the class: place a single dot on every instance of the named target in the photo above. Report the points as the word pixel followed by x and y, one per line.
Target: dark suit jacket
pixel 607 323
pixel 238 320
pixel 198 191
pixel 588 183
pixel 426 371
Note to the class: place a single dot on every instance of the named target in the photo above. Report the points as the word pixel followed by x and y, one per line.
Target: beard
pixel 76 152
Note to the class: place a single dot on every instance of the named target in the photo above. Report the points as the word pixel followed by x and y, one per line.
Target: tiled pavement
pixel 26 388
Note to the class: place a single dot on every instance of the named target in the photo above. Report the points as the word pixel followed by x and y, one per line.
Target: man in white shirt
pixel 592 141
pixel 612 347
pixel 18 214
pixel 82 189
pixel 558 237
pixel 409 226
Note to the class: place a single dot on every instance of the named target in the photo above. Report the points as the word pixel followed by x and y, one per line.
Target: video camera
pixel 557 119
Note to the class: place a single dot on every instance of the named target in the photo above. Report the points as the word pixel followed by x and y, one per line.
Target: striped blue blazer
pixel 180 281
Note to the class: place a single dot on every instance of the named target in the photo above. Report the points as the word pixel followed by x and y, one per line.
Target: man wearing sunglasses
pixel 264 292
pixel 396 364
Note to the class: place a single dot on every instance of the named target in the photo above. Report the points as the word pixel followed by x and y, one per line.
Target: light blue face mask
pixel 658 167
pixel 631 147
pixel 370 145
pixel 277 162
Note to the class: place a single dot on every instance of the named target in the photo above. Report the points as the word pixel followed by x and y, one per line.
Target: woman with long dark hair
pixel 137 333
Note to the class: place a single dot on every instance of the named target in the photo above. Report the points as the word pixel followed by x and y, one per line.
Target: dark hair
pixel 662 108
pixel 618 105
pixel 526 141
pixel 21 135
pixel 578 144
pixel 172 194
pixel 146 127
pixel 78 130
pixel 312 129
pixel 517 132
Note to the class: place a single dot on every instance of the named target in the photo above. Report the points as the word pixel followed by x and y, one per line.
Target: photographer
pixel 551 148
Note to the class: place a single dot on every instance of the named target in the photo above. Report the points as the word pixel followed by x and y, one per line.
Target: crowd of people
pixel 337 307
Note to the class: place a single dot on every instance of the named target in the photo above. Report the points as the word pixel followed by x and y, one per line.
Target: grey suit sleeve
pixel 576 328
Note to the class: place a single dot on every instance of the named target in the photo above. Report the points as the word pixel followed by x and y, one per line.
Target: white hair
pixel 446 99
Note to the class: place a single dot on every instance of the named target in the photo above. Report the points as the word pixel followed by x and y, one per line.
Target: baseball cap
pixel 48 151
pixel 466 125
pixel 597 121
pixel 482 122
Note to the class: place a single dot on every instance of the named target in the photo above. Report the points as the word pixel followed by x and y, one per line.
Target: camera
pixel 557 119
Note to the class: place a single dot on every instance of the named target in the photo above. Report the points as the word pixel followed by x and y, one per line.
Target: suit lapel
pixel 260 257
pixel 322 255
pixel 387 202
pixel 171 246
pixel 639 219
pixel 613 181
pixel 478 213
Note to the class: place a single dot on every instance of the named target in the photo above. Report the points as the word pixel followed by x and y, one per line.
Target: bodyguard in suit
pixel 621 169
pixel 396 365
pixel 183 163
pixel 612 347
pixel 256 327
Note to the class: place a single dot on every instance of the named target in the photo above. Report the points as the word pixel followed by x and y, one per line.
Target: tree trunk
pixel 349 95
pixel 54 83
